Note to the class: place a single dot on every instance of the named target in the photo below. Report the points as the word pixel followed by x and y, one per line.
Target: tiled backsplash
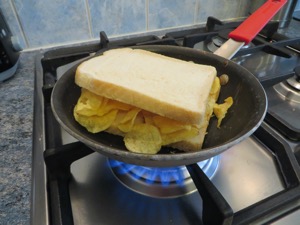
pixel 43 23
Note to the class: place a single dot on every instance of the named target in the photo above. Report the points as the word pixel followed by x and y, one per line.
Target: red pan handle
pixel 255 23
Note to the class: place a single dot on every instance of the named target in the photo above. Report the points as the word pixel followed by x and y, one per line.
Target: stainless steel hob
pixel 256 181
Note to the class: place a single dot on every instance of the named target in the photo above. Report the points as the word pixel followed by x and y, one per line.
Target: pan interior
pixel 242 118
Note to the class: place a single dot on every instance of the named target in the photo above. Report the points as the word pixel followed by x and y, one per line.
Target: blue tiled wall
pixel 42 23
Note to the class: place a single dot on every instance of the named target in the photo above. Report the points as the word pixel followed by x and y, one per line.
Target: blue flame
pixel 164 176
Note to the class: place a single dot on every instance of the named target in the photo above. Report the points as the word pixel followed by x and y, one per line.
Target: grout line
pixel 87 7
pixel 197 9
pixel 147 14
pixel 19 22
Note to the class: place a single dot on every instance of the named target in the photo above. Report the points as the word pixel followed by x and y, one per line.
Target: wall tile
pixel 117 17
pixel 40 23
pixel 222 9
pixel 170 13
pixel 51 22
pixel 12 21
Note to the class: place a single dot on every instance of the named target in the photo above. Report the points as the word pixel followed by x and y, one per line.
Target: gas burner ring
pixel 287 92
pixel 218 41
pixel 295 81
pixel 160 182
pixel 290 89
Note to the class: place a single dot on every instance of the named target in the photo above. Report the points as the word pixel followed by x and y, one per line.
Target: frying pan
pixel 242 119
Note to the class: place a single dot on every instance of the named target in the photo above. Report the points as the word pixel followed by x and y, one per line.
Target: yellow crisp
pixel 179 135
pixel 88 103
pixel 148 117
pixel 216 87
pixel 167 125
pixel 108 105
pixel 143 138
pixel 128 120
pixel 95 124
pixel 220 110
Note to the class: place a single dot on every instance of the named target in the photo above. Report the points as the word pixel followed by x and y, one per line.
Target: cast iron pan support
pixel 216 211
pixel 103 40
pixel 58 162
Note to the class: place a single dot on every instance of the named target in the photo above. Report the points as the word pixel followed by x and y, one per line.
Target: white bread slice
pixel 163 85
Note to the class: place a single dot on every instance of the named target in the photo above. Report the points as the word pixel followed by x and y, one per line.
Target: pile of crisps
pixel 143 131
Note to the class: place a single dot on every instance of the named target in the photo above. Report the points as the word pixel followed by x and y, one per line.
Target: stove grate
pixel 59 157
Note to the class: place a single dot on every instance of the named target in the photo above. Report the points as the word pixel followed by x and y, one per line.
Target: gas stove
pixel 254 182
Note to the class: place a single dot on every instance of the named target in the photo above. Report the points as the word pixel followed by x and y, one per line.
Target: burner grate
pixel 58 161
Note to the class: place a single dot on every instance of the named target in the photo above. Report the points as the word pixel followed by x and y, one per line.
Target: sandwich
pixel 149 99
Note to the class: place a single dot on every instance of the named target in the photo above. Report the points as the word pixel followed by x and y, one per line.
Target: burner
pixel 284 107
pixel 160 182
pixel 287 92
pixel 295 81
pixel 215 43
pixel 290 89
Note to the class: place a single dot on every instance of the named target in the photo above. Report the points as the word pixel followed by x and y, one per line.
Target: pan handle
pixel 254 23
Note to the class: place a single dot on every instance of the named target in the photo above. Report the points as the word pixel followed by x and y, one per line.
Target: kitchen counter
pixel 16 117
pixel 16 114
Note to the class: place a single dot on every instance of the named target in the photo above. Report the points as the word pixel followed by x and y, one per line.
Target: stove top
pixel 256 181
